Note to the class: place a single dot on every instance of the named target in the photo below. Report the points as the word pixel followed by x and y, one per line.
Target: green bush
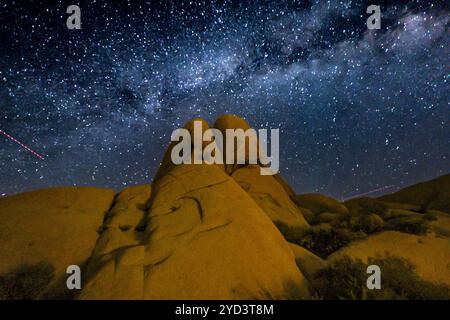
pixel 26 281
pixel 321 239
pixel 346 279
pixel 413 225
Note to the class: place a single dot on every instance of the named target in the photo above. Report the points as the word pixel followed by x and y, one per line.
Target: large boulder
pixel 55 226
pixel 205 238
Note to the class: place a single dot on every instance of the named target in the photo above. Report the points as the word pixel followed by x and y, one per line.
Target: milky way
pixel 357 109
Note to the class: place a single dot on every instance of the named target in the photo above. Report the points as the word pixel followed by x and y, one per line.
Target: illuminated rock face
pixel 203 238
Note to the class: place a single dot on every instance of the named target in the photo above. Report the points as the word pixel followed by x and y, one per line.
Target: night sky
pixel 358 109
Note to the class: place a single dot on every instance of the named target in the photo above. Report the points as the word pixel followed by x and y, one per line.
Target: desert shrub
pixel 369 206
pixel 322 239
pixel 346 279
pixel 367 215
pixel 375 207
pixel 324 242
pixel 430 216
pixel 414 225
pixel 343 280
pixel 26 281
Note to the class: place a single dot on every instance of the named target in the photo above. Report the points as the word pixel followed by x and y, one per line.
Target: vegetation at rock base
pixel 25 282
pixel 345 279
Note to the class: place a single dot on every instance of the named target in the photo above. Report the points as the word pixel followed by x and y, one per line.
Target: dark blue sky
pixel 358 109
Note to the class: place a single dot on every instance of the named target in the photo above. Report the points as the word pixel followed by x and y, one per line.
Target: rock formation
pixel 212 232
pixel 57 226
pixel 203 238
pixel 429 254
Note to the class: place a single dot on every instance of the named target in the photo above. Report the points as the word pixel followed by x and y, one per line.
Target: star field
pixel 357 109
